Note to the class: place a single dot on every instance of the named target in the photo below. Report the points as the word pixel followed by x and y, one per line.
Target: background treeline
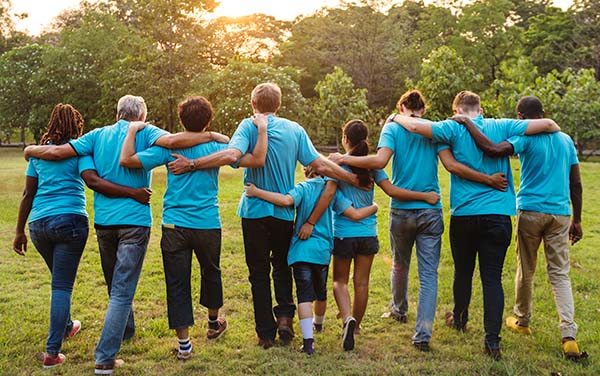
pixel 337 64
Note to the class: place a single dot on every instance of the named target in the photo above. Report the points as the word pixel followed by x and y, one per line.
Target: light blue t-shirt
pixel 317 248
pixel 345 227
pixel 414 164
pixel 190 200
pixel 104 145
pixel 288 144
pixel 468 197
pixel 546 161
pixel 60 189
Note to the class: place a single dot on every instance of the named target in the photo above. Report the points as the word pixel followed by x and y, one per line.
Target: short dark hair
pixel 530 107
pixel 466 101
pixel 195 113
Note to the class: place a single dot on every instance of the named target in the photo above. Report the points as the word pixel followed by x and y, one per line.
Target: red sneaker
pixel 76 328
pixel 51 361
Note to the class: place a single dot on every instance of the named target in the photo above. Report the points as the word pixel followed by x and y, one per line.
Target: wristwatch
pixel 192 165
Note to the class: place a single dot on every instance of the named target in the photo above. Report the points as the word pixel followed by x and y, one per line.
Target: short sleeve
pixel 519 143
pixel 297 193
pixel 154 157
pixel 442 146
pixel 84 145
pixel 386 138
pixel 379 175
pixel 340 203
pixel 153 133
pixel 307 153
pixel 443 131
pixel 514 127
pixel 85 163
pixel 31 169
pixel 241 137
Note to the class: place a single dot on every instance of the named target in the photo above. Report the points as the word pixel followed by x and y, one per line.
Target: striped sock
pixel 213 322
pixel 185 345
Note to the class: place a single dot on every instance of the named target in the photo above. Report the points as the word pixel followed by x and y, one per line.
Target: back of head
pixel 530 107
pixel 131 108
pixel 266 97
pixel 65 123
pixel 466 101
pixel 412 100
pixel 195 113
pixel 356 133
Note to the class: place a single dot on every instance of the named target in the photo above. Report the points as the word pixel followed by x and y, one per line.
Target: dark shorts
pixel 348 248
pixel 311 281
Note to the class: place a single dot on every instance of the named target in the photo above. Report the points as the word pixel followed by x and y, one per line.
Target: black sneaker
pixel 348 334
pixel 493 353
pixel 308 346
pixel 318 327
pixel 422 346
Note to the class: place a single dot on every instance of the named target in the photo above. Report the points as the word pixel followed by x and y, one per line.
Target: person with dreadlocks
pixel 54 201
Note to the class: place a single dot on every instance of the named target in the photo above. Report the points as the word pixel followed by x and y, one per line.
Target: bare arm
pixel 407 195
pixel 128 155
pixel 327 168
pixel 259 154
pixel 576 232
pixel 110 189
pixel 486 145
pixel 322 205
pixel 186 139
pixel 536 126
pixel 361 213
pixel 497 181
pixel 272 197
pixel 50 152
pixel 377 161
pixel 20 241
pixel 414 125
pixel 182 164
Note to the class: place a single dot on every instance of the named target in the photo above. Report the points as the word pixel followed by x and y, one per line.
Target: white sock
pixel 306 325
pixel 319 319
pixel 184 345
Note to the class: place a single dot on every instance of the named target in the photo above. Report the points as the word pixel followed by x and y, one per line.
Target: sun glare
pixel 281 9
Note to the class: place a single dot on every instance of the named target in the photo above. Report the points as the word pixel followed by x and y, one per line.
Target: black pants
pixel 266 243
pixel 487 236
pixel 177 246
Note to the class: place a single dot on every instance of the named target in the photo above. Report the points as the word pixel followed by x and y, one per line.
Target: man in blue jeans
pixel 122 224
pixel 480 224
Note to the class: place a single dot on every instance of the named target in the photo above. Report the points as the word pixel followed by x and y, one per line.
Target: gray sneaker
pixel 348 334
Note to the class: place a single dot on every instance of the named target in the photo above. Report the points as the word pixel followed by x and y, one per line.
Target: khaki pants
pixel 532 227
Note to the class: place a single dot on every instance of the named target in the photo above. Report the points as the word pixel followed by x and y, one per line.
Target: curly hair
pixel 65 123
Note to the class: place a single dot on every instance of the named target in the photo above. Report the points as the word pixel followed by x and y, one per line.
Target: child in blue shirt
pixel 309 258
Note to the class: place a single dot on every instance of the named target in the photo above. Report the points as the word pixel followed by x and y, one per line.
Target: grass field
pixel 384 347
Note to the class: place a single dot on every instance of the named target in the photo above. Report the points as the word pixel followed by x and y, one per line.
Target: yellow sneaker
pixel 513 324
pixel 571 350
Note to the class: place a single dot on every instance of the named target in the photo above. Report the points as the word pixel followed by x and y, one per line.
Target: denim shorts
pixel 311 281
pixel 348 248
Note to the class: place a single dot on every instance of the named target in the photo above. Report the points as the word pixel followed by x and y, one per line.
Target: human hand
pixel 260 121
pixel 250 190
pixel 460 119
pixel 180 165
pixel 432 198
pixel 305 231
pixel 498 181
pixel 142 195
pixel 575 232
pixel 20 243
pixel 136 126
pixel 219 137
pixel 336 158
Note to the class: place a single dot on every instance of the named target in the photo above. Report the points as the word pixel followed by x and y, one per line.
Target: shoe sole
pixel 348 338
pixel 104 371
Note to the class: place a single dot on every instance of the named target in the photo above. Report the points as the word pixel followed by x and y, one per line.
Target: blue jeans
pixel 486 236
pixel 425 227
pixel 122 252
pixel 311 281
pixel 60 240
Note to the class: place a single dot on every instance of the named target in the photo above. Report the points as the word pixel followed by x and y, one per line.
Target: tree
pixel 338 101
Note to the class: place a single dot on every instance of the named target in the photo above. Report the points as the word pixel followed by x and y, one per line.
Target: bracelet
pixel 312 224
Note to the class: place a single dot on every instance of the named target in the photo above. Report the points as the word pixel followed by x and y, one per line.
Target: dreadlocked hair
pixel 356 133
pixel 65 123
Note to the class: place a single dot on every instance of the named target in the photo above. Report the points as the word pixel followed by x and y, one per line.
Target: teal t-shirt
pixel 468 197
pixel 288 144
pixel 104 145
pixel 414 164
pixel 546 161
pixel 190 200
pixel 317 248
pixel 60 189
pixel 344 227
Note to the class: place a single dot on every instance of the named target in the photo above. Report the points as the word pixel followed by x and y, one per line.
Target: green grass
pixel 384 347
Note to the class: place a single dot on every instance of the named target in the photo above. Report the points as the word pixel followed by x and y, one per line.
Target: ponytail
pixel 356 133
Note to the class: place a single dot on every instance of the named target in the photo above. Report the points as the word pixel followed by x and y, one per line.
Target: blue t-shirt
pixel 546 161
pixel 468 197
pixel 288 144
pixel 414 164
pixel 345 227
pixel 104 145
pixel 190 199
pixel 317 248
pixel 60 189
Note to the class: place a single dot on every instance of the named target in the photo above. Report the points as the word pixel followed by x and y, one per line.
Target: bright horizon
pixel 41 12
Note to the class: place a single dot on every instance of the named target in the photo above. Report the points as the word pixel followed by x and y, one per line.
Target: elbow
pixel 232 157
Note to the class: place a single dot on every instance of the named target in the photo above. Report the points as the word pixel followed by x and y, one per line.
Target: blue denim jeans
pixel 311 281
pixel 423 227
pixel 60 240
pixel 485 237
pixel 122 252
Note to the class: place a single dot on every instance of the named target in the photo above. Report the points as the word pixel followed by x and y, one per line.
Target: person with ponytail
pixel 416 211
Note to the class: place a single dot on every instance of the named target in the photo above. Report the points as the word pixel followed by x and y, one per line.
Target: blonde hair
pixel 266 97
pixel 467 101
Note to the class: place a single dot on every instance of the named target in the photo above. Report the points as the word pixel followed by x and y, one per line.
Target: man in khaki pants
pixel 549 178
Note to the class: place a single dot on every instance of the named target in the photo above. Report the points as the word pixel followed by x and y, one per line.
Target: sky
pixel 41 12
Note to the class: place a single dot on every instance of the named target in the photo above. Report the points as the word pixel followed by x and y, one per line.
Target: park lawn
pixel 383 347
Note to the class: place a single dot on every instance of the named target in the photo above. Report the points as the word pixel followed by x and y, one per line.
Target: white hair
pixel 131 107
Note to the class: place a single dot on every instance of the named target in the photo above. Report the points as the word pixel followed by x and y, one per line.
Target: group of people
pixel 291 231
